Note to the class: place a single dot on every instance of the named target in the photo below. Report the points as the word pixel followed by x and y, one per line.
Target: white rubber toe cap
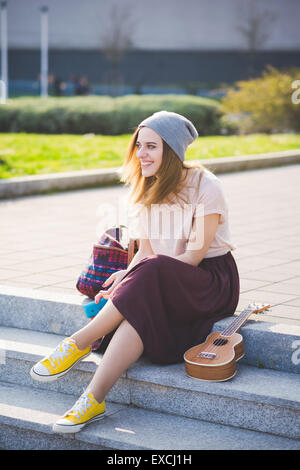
pixel 40 369
pixel 66 426
pixel 64 422
pixel 40 372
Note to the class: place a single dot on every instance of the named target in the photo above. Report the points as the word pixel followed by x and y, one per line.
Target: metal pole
pixel 44 52
pixel 4 62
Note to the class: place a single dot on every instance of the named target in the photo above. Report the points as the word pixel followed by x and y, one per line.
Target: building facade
pixel 142 43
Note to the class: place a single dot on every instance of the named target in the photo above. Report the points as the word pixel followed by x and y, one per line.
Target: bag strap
pixel 131 249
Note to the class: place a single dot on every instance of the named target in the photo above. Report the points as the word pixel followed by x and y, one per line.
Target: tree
pixel 255 25
pixel 117 38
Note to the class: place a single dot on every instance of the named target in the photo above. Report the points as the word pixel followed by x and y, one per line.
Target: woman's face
pixel 149 151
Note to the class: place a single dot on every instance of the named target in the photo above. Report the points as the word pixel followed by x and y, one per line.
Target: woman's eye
pixel 149 146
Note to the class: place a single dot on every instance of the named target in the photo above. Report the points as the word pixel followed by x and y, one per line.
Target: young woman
pixel 182 279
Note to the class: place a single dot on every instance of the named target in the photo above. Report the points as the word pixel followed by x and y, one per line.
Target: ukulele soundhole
pixel 220 341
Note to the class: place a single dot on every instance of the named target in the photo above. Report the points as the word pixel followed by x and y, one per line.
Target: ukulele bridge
pixel 207 355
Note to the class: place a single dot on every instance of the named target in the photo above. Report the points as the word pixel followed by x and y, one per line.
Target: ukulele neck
pixel 237 323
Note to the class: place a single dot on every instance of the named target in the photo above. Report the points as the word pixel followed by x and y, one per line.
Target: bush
pixel 104 114
pixel 263 104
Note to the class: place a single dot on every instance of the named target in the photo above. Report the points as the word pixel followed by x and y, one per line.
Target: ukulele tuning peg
pixel 265 308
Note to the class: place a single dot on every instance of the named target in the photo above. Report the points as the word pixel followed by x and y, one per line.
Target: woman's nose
pixel 141 152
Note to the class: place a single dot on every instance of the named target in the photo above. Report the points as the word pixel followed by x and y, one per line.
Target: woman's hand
pixel 117 278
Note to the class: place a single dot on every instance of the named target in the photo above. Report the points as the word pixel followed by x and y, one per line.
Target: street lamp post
pixel 4 62
pixel 44 52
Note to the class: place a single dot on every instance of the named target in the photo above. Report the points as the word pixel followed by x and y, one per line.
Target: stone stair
pixel 150 407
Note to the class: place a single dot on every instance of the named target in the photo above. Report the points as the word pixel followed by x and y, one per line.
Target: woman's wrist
pixel 137 258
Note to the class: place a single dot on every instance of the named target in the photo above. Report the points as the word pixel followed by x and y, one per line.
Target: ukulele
pixel 215 359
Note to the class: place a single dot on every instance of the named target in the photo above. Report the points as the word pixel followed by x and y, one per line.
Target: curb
pixel 40 184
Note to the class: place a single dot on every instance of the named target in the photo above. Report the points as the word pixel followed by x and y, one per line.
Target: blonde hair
pixel 166 184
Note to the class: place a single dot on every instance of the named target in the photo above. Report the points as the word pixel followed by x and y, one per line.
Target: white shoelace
pixel 63 350
pixel 81 406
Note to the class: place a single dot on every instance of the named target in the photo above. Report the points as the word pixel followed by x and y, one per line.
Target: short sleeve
pixel 211 200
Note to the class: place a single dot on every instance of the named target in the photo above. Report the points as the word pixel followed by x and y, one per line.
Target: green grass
pixel 29 154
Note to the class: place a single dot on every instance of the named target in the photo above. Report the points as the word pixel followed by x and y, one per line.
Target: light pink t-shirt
pixel 169 226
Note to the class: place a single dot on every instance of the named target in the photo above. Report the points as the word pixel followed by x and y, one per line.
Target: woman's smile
pixel 149 151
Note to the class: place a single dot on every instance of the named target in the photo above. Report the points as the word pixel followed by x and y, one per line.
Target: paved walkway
pixel 46 240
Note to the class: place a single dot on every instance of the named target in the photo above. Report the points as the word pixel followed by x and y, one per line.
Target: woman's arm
pixel 144 250
pixel 203 232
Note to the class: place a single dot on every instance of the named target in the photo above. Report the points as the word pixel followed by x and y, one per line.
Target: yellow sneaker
pixel 57 364
pixel 85 411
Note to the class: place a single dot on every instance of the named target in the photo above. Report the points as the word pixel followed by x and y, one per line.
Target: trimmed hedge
pixel 104 114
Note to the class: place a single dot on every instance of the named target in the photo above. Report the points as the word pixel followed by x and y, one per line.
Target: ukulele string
pixel 217 342
pixel 230 330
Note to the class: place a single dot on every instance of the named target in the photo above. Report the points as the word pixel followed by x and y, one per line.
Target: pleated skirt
pixel 173 305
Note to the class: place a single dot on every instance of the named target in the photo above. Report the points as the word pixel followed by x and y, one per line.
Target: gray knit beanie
pixel 174 129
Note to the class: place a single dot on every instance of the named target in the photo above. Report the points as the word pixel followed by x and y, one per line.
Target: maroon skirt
pixel 173 305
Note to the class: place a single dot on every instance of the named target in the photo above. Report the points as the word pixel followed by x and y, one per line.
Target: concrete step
pixel 27 415
pixel 267 344
pixel 256 399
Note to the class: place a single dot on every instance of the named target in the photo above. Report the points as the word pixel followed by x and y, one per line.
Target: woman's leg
pixel 124 349
pixel 106 321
